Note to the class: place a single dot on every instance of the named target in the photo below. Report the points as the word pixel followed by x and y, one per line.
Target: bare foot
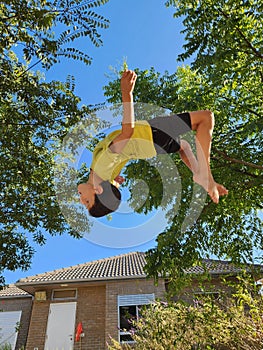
pixel 214 189
pixel 221 190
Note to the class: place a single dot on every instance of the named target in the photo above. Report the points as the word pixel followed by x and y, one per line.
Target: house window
pixel 129 307
pixel 9 325
pixel 64 294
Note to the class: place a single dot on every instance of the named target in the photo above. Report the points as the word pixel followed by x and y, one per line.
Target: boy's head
pixel 102 201
pixel 106 202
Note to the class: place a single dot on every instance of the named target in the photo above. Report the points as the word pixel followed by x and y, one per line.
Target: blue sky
pixel 144 32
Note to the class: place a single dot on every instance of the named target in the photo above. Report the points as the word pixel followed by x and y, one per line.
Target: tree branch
pixel 248 174
pixel 231 100
pixel 238 161
pixel 256 52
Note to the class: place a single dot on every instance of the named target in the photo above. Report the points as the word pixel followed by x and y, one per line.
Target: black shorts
pixel 167 131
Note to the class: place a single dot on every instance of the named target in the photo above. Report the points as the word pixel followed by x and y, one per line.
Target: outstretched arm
pixel 127 85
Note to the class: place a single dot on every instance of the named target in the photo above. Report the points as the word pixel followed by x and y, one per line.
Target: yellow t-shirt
pixel 107 165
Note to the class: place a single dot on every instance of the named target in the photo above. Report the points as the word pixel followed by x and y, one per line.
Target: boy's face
pixel 87 194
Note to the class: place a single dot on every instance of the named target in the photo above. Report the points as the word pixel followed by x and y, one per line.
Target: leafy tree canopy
pixel 44 30
pixel 34 114
pixel 224 41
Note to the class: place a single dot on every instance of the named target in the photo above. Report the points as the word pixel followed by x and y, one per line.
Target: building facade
pixel 82 306
pixel 94 297
pixel 15 315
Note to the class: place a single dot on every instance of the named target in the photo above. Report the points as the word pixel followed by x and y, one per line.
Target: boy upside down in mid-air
pixel 142 140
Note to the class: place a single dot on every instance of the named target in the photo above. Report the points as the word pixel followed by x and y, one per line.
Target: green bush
pixel 229 323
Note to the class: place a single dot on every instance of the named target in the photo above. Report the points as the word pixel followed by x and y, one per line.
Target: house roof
pixel 123 266
pixel 214 267
pixel 129 265
pixel 12 291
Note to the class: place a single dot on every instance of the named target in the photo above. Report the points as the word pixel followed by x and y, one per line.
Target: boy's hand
pixel 119 179
pixel 127 85
pixel 128 80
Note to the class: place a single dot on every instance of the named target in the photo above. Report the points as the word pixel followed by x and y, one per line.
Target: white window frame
pixel 132 300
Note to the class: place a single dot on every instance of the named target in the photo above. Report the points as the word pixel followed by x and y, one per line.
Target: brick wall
pixel 19 304
pixel 38 324
pixel 97 310
pixel 91 312
pixel 212 285
pixel 139 286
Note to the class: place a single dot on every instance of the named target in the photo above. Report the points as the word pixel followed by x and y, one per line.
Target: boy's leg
pixel 203 124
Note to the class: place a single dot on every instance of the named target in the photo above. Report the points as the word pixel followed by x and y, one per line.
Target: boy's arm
pixel 127 85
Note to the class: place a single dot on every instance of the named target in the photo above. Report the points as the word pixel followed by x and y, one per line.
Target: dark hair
pixel 107 202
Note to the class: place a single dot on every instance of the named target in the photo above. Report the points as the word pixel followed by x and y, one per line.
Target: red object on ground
pixel 79 330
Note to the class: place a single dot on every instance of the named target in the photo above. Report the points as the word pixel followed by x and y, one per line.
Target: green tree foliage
pixel 231 229
pixel 44 29
pixel 34 114
pixel 224 41
pixel 227 323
